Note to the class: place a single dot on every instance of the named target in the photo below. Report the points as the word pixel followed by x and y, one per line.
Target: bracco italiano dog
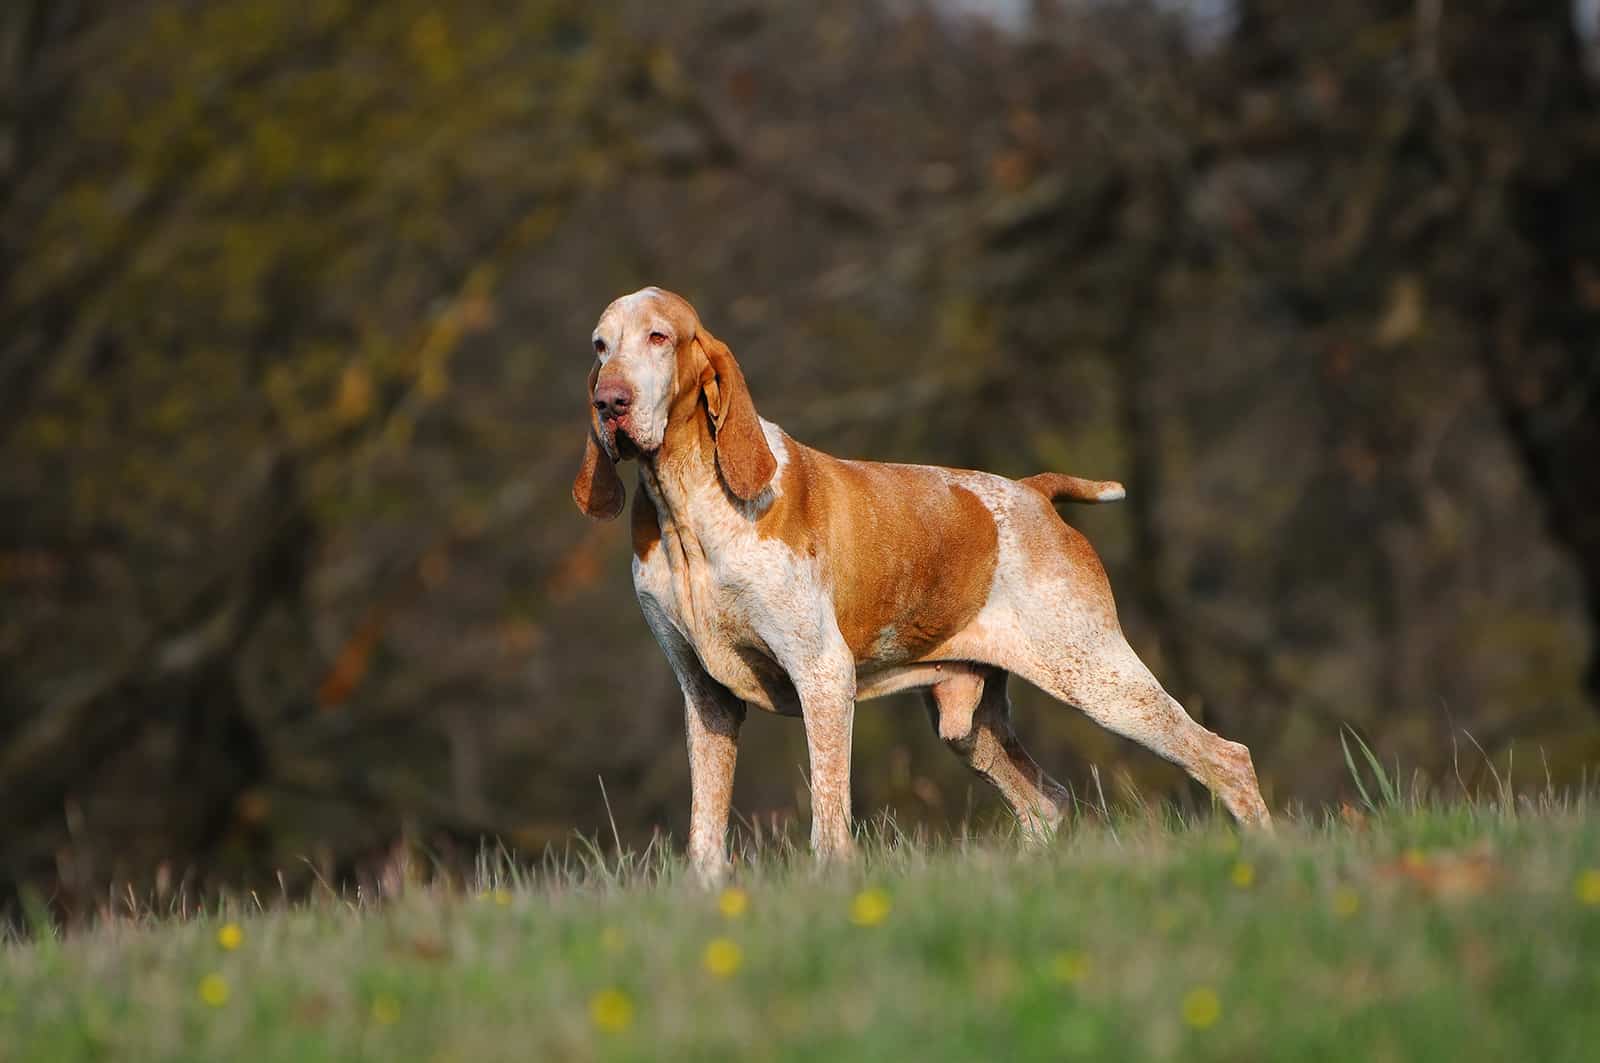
pixel 778 576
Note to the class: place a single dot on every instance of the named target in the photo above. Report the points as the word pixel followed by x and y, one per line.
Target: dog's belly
pixel 761 683
pixel 880 682
pixel 751 673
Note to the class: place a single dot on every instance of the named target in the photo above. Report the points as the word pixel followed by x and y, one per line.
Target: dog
pixel 778 576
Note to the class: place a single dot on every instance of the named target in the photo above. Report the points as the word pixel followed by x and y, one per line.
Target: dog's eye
pixel 599 346
pixel 658 338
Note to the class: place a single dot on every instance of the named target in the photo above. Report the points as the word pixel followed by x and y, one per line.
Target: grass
pixel 1414 932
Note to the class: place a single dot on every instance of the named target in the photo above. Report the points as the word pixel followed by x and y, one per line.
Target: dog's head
pixel 656 365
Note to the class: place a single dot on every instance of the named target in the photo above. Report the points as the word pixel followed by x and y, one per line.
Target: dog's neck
pixel 692 503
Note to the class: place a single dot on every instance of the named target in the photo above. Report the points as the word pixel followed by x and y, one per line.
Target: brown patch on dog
pixel 646 525
pixel 910 557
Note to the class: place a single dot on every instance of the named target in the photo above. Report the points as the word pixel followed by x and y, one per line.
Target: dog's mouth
pixel 622 444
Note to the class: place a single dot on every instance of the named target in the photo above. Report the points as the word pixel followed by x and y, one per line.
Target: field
pixel 1449 932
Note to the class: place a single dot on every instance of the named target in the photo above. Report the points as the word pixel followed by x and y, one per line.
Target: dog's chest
pixel 742 603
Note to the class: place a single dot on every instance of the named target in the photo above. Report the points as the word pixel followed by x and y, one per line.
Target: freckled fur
pixel 776 575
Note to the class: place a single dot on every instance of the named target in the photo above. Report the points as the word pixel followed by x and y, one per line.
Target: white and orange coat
pixel 778 576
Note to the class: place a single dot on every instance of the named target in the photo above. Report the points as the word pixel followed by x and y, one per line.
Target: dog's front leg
pixel 712 717
pixel 829 722
pixel 825 679
pixel 809 647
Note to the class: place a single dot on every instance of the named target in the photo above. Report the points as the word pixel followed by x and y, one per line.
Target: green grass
pixel 1450 932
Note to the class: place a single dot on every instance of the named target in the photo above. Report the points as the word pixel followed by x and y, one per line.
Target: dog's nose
pixel 612 399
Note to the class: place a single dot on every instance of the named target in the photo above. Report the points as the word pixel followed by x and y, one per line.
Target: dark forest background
pixel 294 309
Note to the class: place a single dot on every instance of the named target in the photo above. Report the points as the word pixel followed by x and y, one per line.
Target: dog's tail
pixel 1059 487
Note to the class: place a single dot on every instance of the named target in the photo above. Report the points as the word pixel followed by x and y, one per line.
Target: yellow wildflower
pixel 1346 902
pixel 611 1010
pixel 229 936
pixel 723 957
pixel 1243 875
pixel 1588 886
pixel 502 897
pixel 870 907
pixel 733 902
pixel 1069 967
pixel 1201 1008
pixel 385 1010
pixel 214 990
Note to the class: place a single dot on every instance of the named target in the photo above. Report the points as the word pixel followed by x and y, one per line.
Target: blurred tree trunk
pixel 1497 118
pixel 26 27
pixel 1158 233
pixel 23 32
pixel 1540 335
pixel 186 671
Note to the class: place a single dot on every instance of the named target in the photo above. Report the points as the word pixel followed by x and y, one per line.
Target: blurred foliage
pixel 293 302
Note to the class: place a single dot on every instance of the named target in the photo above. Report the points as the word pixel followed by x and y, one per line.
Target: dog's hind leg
pixel 1051 619
pixel 972 713
pixel 1115 689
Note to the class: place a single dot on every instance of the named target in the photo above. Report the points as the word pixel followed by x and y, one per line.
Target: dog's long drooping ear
pixel 743 457
pixel 596 488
